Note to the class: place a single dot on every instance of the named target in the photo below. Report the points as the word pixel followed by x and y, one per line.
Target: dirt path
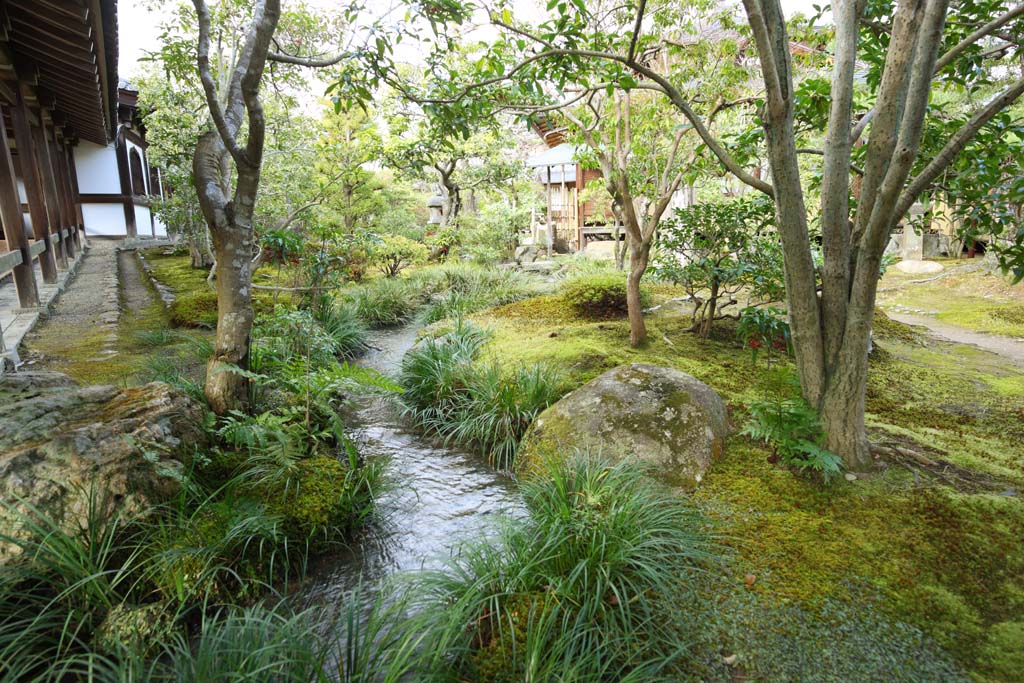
pixel 1007 347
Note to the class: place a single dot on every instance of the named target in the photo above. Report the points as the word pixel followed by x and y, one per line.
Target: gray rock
pixel 62 446
pixel 648 413
pixel 526 254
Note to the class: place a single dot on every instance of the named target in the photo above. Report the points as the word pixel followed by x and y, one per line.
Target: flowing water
pixel 439 496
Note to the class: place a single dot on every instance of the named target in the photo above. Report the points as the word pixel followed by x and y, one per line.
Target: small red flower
pixel 754 343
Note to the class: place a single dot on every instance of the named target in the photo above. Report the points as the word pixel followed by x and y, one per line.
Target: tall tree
pixel 913 48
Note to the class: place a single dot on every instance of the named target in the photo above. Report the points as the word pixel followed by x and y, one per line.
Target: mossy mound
pixel 938 550
pixel 194 310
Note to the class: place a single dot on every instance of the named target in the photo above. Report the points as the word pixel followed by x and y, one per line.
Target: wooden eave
pixel 66 49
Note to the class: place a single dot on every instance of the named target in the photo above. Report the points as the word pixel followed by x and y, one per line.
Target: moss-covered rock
pixel 136 628
pixel 65 449
pixel 649 413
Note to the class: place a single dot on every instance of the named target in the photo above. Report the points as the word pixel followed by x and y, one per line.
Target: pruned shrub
pixel 395 253
pixel 600 297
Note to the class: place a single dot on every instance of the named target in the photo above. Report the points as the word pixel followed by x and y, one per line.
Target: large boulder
pixel 656 415
pixel 63 446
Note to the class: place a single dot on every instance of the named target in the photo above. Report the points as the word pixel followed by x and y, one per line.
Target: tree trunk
pixel 638 257
pixel 226 390
pixel 199 248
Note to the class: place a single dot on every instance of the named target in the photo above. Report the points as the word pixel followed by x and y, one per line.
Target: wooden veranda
pixel 58 85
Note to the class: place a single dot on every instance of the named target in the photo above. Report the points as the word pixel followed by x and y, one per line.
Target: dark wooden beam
pixel 14 227
pixel 53 207
pixel 124 175
pixel 30 176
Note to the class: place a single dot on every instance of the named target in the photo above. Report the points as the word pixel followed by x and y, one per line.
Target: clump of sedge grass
pixel 479 405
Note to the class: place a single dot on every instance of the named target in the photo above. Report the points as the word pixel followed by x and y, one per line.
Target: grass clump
pixel 600 296
pixel 480 405
pixel 384 302
pixel 587 588
pixel 466 289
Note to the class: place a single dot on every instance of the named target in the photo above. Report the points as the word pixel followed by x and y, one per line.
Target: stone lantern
pixel 435 204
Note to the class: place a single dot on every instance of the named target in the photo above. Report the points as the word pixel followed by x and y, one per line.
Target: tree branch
pixel 220 122
pixel 636 30
pixel 958 49
pixel 955 145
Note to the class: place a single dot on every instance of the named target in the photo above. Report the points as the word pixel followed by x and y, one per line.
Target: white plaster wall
pixel 104 219
pixel 97 171
pixel 142 224
pixel 161 229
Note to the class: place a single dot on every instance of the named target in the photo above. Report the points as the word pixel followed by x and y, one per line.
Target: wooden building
pixel 72 152
pixel 116 182
pixel 572 220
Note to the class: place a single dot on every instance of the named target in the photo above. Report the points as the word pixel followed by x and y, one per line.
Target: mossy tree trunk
pixel 228 212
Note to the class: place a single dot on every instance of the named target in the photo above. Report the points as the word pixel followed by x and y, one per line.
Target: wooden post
pixel 64 190
pixel 123 166
pixel 14 226
pixel 550 219
pixel 33 187
pixel 564 201
pixel 76 198
pixel 53 208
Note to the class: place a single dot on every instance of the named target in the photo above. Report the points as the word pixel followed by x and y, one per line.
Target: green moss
pixel 321 502
pixel 1002 655
pixel 195 310
pixel 946 560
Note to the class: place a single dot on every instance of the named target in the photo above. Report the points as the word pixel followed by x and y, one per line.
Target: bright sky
pixel 138 29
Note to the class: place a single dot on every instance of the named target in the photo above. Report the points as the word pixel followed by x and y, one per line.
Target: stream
pixel 437 497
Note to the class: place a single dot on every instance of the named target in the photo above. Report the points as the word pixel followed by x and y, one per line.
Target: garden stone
pixel 917 267
pixel 655 415
pixel 61 444
pixel 526 254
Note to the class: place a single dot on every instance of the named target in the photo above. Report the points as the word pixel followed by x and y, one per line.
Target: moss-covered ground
pixel 937 547
pixel 964 295
pixel 137 349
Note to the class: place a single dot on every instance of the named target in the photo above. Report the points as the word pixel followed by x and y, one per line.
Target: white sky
pixel 138 28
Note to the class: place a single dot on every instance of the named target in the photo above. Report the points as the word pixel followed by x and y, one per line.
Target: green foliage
pixel 250 644
pixel 58 593
pixel 791 428
pixel 716 249
pixel 492 235
pixel 283 245
pixel 599 296
pixel 587 588
pixel 342 325
pixel 765 328
pixel 395 253
pixel 466 289
pixel 384 302
pixel 287 334
pixel 483 406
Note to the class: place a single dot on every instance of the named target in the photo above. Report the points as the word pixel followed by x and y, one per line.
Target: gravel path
pixel 1007 347
pixel 90 301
